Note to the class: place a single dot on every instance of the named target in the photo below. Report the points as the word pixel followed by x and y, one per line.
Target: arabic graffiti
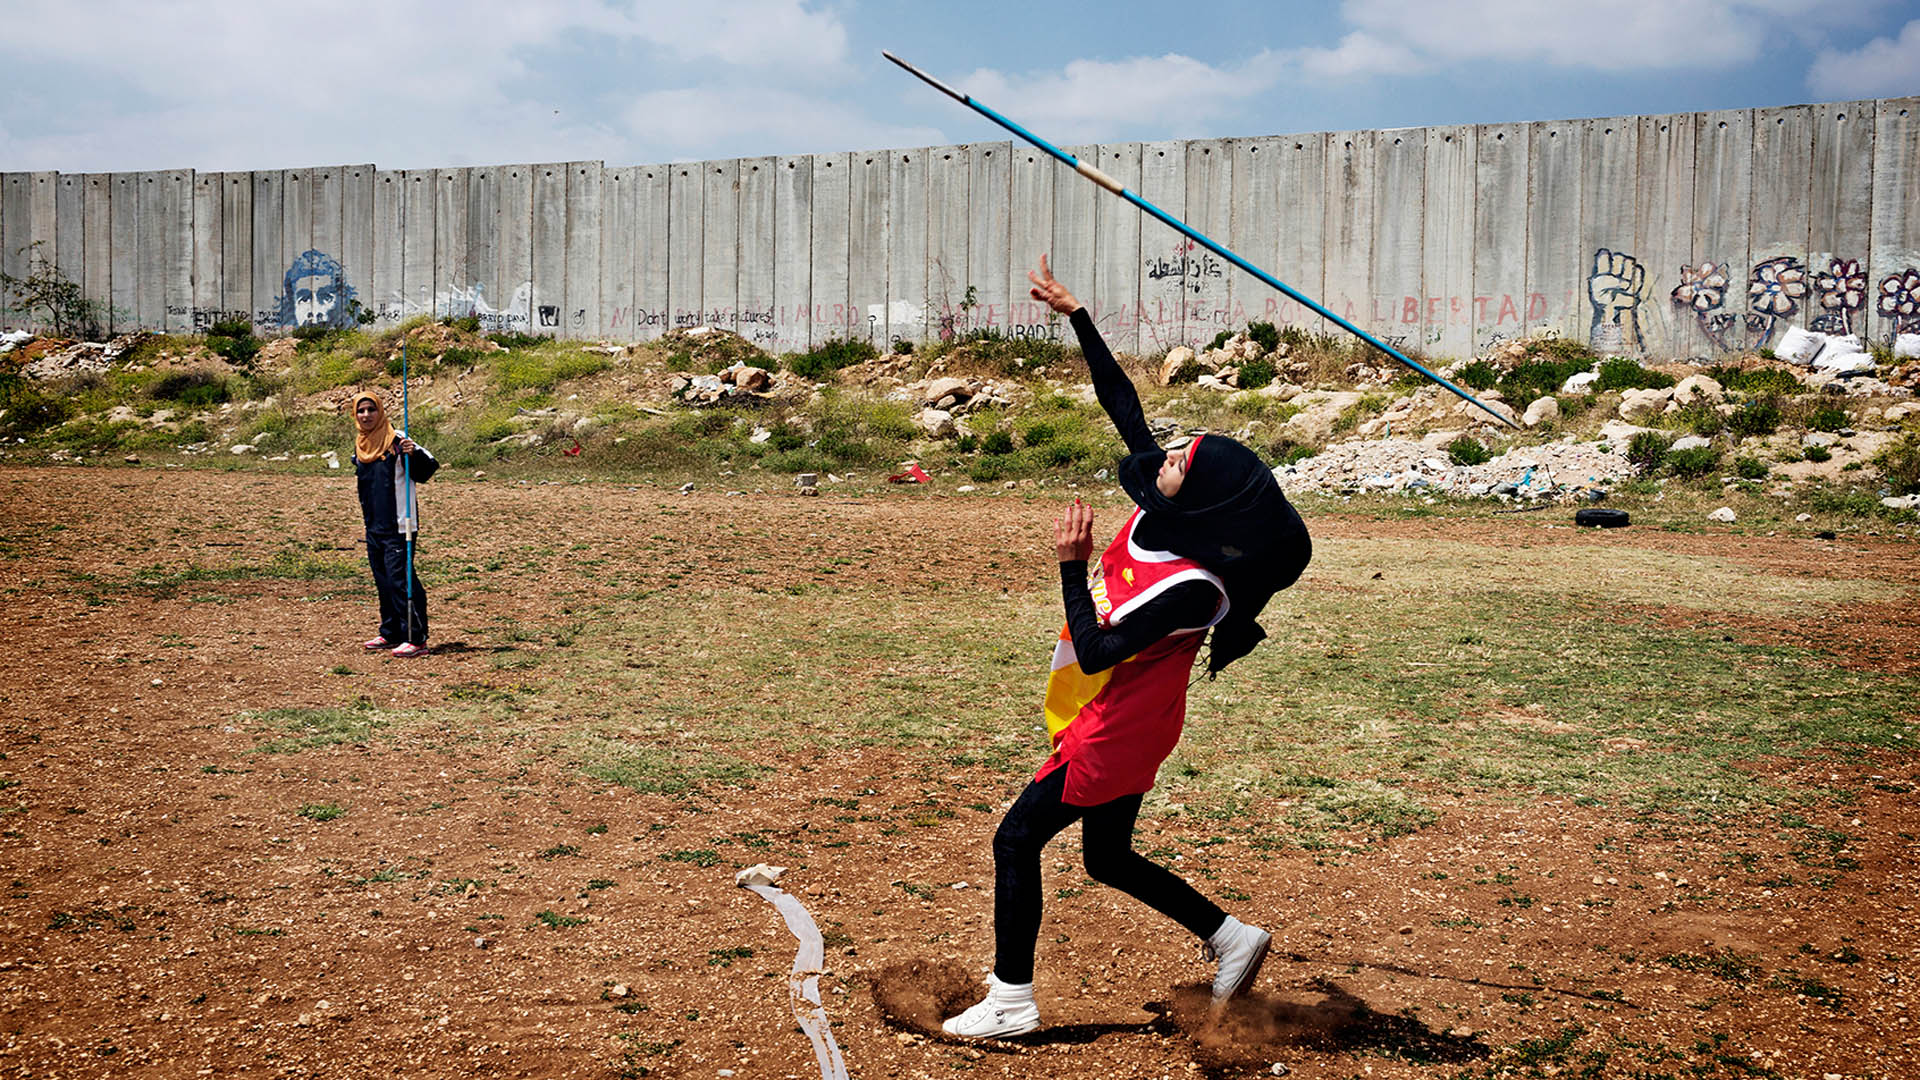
pixel 1193 271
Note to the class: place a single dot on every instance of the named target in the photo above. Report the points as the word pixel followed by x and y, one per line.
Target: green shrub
pixel 1255 374
pixel 1060 453
pixel 1361 411
pixel 1692 462
pixel 1899 465
pixel 32 410
pixel 467 323
pixel 1622 373
pixel 1758 416
pixel 1563 349
pixel 1750 468
pixel 1287 452
pixel 237 348
pixel 1220 339
pixel 542 370
pixel 1467 450
pixel 1647 451
pixel 1754 381
pixel 988 468
pixel 1038 433
pixel 1828 418
pixel 516 340
pixel 831 356
pixel 1264 334
pixel 1817 454
pixel 1700 418
pixel 197 388
pixel 1532 379
pixel 1478 375
pixel 997 442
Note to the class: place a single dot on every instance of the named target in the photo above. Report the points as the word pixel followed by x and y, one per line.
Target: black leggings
pixel 1106 837
pixel 387 555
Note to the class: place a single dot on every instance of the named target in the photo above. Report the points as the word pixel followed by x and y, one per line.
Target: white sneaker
pixel 1241 949
pixel 1008 1009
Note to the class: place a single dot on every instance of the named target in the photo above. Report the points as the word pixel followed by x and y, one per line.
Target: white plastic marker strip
pixel 803 986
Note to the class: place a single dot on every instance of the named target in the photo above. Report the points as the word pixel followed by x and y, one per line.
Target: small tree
pixel 69 313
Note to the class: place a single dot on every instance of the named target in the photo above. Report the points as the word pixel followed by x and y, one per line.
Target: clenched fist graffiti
pixel 1617 287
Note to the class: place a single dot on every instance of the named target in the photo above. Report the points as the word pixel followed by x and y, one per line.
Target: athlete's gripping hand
pixel 1073 533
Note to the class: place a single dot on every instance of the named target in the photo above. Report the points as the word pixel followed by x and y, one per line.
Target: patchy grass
pixel 308 728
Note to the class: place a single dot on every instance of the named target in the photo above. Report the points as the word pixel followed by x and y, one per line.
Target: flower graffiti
pixel 1899 300
pixel 1777 286
pixel 1775 289
pixel 1702 288
pixel 1774 293
pixel 1703 291
pixel 1842 289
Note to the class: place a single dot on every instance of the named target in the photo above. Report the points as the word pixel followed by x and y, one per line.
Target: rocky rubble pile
pixel 81 356
pixel 1422 467
pixel 731 384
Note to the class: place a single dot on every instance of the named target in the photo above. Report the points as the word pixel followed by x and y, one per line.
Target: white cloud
pixel 1359 53
pixel 704 122
pixel 1394 36
pixel 1883 67
pixel 1093 99
pixel 217 84
pixel 781 34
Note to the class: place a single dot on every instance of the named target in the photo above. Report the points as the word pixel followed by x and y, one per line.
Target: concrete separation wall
pixel 1666 235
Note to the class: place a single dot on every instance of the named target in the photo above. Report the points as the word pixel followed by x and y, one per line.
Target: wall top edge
pixel 1868 106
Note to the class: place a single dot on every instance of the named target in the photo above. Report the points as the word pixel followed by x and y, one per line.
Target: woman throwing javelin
pixel 1210 541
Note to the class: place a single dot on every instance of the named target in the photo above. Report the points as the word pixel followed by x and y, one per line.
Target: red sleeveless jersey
pixel 1112 730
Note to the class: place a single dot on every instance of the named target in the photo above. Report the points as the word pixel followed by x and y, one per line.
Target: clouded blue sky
pixel 101 85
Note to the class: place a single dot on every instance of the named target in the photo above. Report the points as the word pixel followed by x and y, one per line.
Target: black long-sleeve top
pixel 380 483
pixel 1184 606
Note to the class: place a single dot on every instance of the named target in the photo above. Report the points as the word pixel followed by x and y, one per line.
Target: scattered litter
pixel 758 874
pixel 809 964
pixel 1599 518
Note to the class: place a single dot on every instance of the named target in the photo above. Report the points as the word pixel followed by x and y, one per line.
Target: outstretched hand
pixel 1051 292
pixel 1073 533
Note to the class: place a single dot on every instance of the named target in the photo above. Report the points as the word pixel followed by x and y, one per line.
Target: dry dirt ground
pixel 487 909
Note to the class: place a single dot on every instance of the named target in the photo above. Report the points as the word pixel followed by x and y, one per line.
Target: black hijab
pixel 1230 517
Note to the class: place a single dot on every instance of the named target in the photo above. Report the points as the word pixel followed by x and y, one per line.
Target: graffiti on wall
pixel 1899 301
pixel 1616 288
pixel 513 317
pixel 1777 289
pixel 1189 269
pixel 1842 289
pixel 315 293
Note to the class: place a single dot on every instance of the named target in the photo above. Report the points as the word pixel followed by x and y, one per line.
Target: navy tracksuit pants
pixel 387 554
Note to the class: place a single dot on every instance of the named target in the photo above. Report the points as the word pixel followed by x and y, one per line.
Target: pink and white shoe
pixel 409 650
pixel 376 644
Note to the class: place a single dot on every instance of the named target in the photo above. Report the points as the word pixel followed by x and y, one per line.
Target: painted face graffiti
pixel 315 293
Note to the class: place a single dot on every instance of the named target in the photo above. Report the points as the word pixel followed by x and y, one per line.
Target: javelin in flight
pixel 1108 182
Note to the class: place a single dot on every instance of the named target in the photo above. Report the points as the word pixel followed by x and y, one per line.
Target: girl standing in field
pixel 384 461
pixel 1212 539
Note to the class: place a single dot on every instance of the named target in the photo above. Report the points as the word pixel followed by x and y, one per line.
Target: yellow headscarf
pixel 370 442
